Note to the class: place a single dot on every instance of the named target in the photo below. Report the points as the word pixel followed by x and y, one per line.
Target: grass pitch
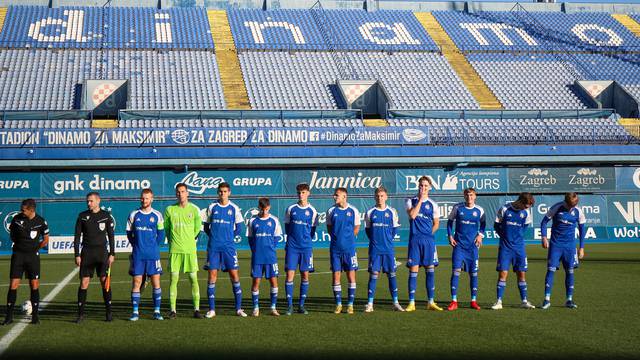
pixel 606 324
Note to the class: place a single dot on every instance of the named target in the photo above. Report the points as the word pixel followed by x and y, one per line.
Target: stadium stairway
pixel 3 14
pixel 104 123
pixel 631 125
pixel 459 63
pixel 628 22
pixel 375 122
pixel 233 86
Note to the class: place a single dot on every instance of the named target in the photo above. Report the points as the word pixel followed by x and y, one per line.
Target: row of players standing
pixel 181 224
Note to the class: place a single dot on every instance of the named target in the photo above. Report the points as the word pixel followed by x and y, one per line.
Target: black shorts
pixel 93 260
pixel 25 262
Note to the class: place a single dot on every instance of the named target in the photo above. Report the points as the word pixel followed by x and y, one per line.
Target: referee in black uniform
pixel 95 227
pixel 26 230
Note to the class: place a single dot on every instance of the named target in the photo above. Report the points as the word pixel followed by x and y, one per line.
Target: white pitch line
pixel 19 327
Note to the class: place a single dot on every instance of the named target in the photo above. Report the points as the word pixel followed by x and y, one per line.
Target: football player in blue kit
pixel 224 222
pixel 512 220
pixel 566 217
pixel 470 223
pixel 424 219
pixel 264 233
pixel 381 225
pixel 300 222
pixel 343 224
pixel 145 231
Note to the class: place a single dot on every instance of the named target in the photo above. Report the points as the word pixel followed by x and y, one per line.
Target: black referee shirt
pixel 26 233
pixel 94 229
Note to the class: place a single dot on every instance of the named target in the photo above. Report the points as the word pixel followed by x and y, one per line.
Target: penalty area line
pixel 20 326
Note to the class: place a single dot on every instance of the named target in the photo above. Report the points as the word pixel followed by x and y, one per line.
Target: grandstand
pixel 116 96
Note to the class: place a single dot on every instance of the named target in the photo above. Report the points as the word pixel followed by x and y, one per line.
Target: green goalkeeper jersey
pixel 182 226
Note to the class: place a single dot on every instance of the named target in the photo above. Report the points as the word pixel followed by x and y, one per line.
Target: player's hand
pixel 78 260
pixel 452 241
pixel 111 259
pixel 580 253
pixel 478 240
pixel 545 242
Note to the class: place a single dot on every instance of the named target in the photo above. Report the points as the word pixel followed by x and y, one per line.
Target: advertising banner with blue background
pixel 178 137
pixel 60 195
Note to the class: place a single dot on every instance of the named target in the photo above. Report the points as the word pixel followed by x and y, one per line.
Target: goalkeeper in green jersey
pixel 182 225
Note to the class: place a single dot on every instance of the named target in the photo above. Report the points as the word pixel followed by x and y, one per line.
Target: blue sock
pixel 274 297
pixel 431 284
pixel 211 295
pixel 501 286
pixel 288 289
pixel 413 284
pixel 352 293
pixel 393 287
pixel 455 280
pixel 304 288
pixel 568 283
pixel 474 286
pixel 255 295
pixel 135 301
pixel 373 281
pixel 522 286
pixel 237 291
pixel 337 293
pixel 548 283
pixel 157 299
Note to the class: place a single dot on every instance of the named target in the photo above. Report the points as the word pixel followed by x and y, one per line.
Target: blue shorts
pixel 422 253
pixel 298 258
pixel 568 256
pixel 512 257
pixel 267 270
pixel 222 260
pixel 343 261
pixel 382 262
pixel 144 267
pixel 467 260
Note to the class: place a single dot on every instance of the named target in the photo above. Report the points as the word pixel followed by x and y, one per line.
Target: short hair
pixel 341 189
pixel 571 198
pixel 146 191
pixel 470 190
pixel 380 189
pixel 179 185
pixel 29 204
pixel 425 178
pixel 302 187
pixel 524 199
pixel 93 193
pixel 263 203
pixel 223 185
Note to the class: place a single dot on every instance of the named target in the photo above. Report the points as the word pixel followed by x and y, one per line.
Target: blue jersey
pixel 145 231
pixel 381 226
pixel 343 222
pixel 421 228
pixel 300 224
pixel 511 224
pixel 469 222
pixel 223 223
pixel 263 235
pixel 565 222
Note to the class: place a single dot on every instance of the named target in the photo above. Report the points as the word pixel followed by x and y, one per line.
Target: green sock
pixel 195 290
pixel 173 290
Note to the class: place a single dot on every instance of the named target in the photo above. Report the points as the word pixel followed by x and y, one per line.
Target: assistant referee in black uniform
pixel 26 230
pixel 95 228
